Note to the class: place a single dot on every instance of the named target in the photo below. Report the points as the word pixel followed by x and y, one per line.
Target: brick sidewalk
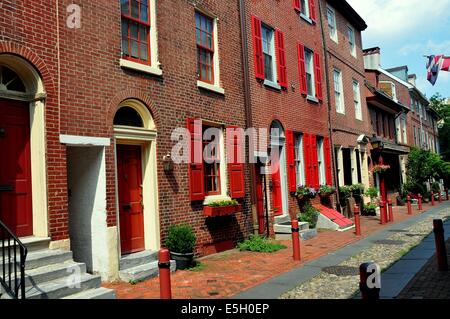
pixel 429 283
pixel 229 273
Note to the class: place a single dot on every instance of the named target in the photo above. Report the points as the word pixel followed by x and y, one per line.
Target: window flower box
pixel 225 208
pixel 305 193
pixel 326 191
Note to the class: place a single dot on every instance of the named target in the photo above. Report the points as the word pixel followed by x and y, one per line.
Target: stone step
pixel 143 272
pixel 97 293
pixel 44 274
pixel 61 288
pixel 41 258
pixel 282 219
pixel 305 235
pixel 286 228
pixel 137 259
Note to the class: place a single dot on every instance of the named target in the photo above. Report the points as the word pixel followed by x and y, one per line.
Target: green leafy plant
pixel 369 209
pixel 181 239
pixel 435 188
pixel 306 192
pixel 345 192
pixel 309 214
pixel 326 190
pixel 260 244
pixel 198 266
pixel 372 192
pixel 223 203
pixel 357 189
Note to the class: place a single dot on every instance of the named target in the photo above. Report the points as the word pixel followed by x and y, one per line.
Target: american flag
pixel 435 64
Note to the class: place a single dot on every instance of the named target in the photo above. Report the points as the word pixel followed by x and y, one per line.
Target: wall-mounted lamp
pixel 167 163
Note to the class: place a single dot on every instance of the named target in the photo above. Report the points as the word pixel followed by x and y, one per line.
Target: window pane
pixel 144 13
pixel 144 51
pixel 134 49
pixel 135 9
pixel 268 72
pixel 125 7
pixel 143 33
pixel 134 31
pixel 124 29
pixel 125 46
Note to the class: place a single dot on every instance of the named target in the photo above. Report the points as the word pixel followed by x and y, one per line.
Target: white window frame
pixel 216 87
pixel 309 68
pixel 332 28
pixel 267 82
pixel 357 100
pixel 339 102
pixel 404 130
pixel 299 160
pixel 352 40
pixel 321 161
pixel 393 88
pixel 305 7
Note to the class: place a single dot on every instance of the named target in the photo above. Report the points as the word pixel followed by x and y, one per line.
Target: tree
pixel 439 104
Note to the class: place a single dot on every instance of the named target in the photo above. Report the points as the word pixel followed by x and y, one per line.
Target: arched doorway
pixel 23 188
pixel 280 199
pixel 136 178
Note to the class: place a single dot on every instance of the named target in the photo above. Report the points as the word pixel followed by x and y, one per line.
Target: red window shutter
pixel 196 171
pixel 327 155
pixel 318 71
pixel 235 139
pixel 297 5
pixel 307 158
pixel 281 59
pixel 301 68
pixel 257 48
pixel 312 10
pixel 315 162
pixel 290 148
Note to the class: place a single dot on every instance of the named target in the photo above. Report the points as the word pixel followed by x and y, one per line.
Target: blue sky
pixel 405 30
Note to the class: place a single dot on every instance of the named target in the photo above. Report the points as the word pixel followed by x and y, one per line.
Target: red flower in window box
pixel 224 208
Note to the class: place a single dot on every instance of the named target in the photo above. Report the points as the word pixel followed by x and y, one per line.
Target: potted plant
pixel 370 210
pixel 326 191
pixel 305 192
pixel 310 215
pixel 222 208
pixel 181 243
pixel 381 168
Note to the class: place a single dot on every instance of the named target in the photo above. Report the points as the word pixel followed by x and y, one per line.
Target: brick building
pixel 349 114
pixel 104 99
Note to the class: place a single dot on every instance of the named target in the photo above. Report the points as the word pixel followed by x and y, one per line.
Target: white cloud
pixel 428 48
pixel 390 19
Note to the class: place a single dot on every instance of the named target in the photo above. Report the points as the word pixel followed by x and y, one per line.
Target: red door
pixel 15 168
pixel 276 190
pixel 129 175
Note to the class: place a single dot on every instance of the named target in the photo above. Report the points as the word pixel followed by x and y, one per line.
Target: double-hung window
pixel 305 8
pixel 136 30
pixel 204 26
pixel 211 165
pixel 352 40
pixel 310 76
pixel 331 17
pixel 338 91
pixel 357 100
pixel 299 160
pixel 270 64
pixel 321 161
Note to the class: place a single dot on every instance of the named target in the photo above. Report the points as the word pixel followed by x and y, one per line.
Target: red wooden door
pixel 129 175
pixel 15 168
pixel 276 190
pixel 260 200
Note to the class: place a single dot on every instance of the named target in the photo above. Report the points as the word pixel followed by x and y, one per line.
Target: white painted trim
pixel 210 87
pixel 135 134
pixel 74 140
pixel 140 67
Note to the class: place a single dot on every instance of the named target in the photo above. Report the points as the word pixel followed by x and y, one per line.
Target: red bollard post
pixel 441 250
pixel 440 197
pixel 164 274
pixel 382 212
pixel 296 240
pixel 391 211
pixel 446 194
pixel 432 199
pixel 408 200
pixel 357 221
pixel 366 292
pixel 420 202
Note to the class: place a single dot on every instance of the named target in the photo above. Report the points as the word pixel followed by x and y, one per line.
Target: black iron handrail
pixel 9 279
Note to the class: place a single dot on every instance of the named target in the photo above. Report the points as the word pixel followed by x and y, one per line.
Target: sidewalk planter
pixel 181 241
pixel 217 211
pixel 183 261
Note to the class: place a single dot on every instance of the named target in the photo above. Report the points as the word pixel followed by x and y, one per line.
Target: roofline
pixel 349 13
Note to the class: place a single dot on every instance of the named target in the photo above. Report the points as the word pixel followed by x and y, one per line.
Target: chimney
pixel 412 78
pixel 372 58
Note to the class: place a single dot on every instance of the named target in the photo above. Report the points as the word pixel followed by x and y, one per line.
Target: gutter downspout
pixel 330 128
pixel 248 107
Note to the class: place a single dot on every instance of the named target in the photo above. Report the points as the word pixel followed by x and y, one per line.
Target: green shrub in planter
pixel 260 244
pixel 181 243
pixel 309 215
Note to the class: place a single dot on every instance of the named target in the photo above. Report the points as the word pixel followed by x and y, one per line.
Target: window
pixel 269 53
pixel 415 136
pixel 305 8
pixel 211 166
pixel 357 100
pixel 338 93
pixel 425 114
pixel 352 40
pixel 321 161
pixel 299 160
pixel 136 30
pixel 331 17
pixel 404 132
pixel 204 27
pixel 388 87
pixel 309 67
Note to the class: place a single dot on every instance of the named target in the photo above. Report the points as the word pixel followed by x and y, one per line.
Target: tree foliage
pixel 439 104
